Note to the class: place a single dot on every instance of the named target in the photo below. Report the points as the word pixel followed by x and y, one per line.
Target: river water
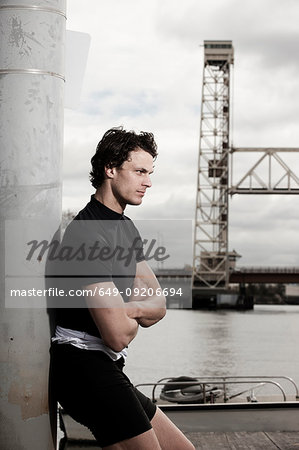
pixel 263 341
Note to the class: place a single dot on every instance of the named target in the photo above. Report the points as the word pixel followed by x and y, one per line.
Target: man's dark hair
pixel 114 148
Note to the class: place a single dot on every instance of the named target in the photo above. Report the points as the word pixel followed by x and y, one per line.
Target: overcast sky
pixel 144 71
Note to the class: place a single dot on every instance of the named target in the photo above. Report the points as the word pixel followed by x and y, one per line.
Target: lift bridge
pixel 213 264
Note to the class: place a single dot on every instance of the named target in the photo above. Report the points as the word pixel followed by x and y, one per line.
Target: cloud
pixel 115 104
pixel 264 229
pixel 144 72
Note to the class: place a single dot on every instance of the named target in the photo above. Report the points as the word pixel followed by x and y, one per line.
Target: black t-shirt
pixel 98 245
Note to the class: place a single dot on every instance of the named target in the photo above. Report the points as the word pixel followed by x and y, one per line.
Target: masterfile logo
pixel 36 254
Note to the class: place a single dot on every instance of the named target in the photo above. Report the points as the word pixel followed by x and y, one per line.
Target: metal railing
pixel 205 382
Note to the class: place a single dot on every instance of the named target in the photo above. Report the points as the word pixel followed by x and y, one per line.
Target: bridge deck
pixel 264 275
pixel 244 274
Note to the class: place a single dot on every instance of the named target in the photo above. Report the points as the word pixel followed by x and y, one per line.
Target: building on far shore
pixel 292 294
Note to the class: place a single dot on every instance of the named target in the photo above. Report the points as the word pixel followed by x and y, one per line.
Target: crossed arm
pixel 117 321
pixel 147 304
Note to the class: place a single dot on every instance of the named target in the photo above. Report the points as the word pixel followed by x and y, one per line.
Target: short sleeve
pixel 136 240
pixel 139 247
pixel 86 253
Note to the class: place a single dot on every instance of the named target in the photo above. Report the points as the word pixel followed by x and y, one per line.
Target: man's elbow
pixel 162 312
pixel 163 307
pixel 116 346
pixel 117 343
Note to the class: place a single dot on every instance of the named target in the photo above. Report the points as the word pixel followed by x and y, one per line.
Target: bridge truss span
pixel 276 177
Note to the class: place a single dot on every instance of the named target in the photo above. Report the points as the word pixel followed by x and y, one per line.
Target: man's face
pixel 131 180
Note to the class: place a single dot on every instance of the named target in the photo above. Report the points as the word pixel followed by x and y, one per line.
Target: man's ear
pixel 110 172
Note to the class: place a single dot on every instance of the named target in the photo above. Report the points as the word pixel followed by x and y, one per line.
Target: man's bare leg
pixel 169 436
pixel 144 441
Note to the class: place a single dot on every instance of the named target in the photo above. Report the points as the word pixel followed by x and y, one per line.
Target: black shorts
pixel 94 391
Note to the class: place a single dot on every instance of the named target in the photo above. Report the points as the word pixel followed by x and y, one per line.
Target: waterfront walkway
pixel 244 440
pixel 80 438
pixel 239 440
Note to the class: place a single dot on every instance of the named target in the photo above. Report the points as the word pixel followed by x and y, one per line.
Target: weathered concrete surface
pixel 31 139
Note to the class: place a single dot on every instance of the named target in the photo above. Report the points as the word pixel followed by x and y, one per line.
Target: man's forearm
pixel 132 330
pixel 116 328
pixel 147 312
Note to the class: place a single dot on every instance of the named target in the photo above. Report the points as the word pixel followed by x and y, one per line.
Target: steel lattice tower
pixel 210 257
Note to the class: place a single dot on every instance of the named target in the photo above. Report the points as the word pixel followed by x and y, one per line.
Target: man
pixel 89 347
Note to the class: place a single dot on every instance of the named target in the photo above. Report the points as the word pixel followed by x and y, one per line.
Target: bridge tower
pixel 210 255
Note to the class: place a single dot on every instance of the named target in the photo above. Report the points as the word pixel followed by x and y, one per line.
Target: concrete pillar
pixel 32 37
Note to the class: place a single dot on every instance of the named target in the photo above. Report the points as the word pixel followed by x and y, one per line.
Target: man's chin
pixel 135 202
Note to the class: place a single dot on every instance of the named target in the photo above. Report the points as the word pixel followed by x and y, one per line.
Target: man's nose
pixel 147 181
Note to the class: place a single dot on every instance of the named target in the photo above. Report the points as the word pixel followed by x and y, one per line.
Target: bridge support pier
pixel 222 299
